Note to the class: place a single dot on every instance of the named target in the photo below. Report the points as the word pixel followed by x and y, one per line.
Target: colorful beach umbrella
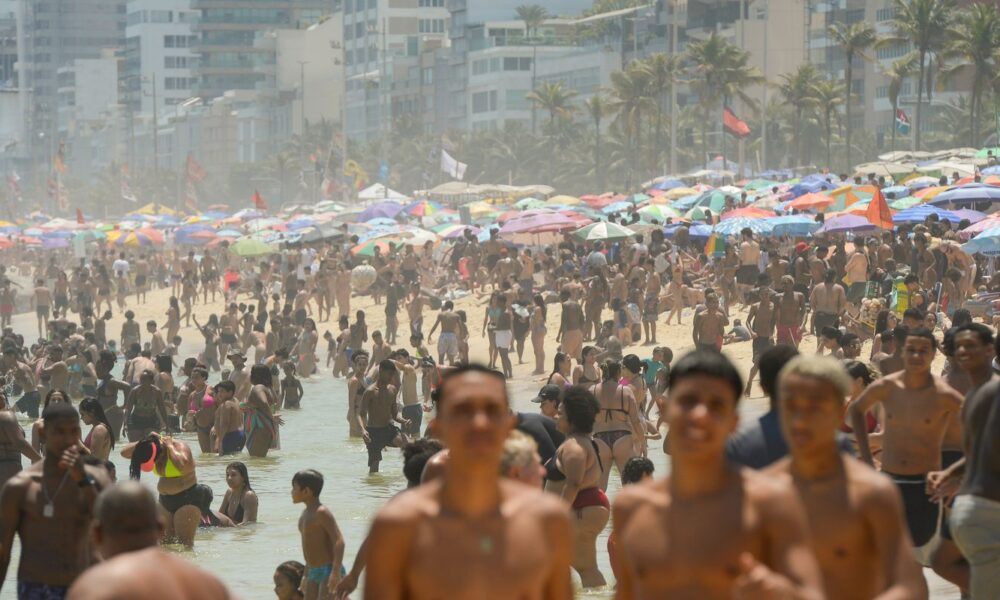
pixel 735 226
pixel 810 201
pixel 659 212
pixel 847 224
pixel 918 214
pixel 603 231
pixel 422 208
pixel 967 194
pixel 143 237
pixel 987 242
pixel 793 225
pixel 249 247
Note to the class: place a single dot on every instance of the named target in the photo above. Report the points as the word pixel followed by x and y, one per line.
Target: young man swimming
pixel 855 515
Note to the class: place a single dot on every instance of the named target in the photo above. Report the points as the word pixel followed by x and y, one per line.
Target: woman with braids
pixel 181 496
pixel 99 441
pixel 618 428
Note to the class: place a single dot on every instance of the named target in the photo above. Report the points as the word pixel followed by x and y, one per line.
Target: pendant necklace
pixel 49 510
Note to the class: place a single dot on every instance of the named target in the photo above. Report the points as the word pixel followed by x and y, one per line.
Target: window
pixel 892 51
pixel 178 83
pixel 348 32
pixel 412 45
pixel 348 7
pixel 178 41
pixel 431 3
pixel 372 3
pixel 175 62
pixel 427 76
pixel 480 67
pixel 359 29
pixel 349 57
pixel 516 100
pixel 484 101
pixel 134 18
pixel 885 14
pixel 161 16
pixel 855 16
pixel 431 26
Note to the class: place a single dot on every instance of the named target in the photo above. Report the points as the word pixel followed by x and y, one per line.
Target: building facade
pixel 158 53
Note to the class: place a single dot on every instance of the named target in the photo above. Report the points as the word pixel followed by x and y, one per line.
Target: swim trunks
pixel 448 344
pixel 319 575
pixel 414 413
pixel 233 442
pixel 747 274
pixel 760 344
pixel 788 334
pixel 27 590
pixel 28 404
pixel 42 311
pixel 976 521
pixel 650 308
pixel 825 320
pixel 379 438
pixel 228 338
pixel 503 338
pixel 921 512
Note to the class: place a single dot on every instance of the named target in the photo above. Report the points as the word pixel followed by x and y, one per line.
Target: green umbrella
pixel 603 231
pixel 757 184
pixel 985 152
pixel 904 203
pixel 529 203
pixel 659 212
pixel 247 247
pixel 90 235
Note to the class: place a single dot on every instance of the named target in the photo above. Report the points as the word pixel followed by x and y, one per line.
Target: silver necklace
pixel 49 510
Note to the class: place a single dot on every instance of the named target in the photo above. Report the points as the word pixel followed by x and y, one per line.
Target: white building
pixel 158 42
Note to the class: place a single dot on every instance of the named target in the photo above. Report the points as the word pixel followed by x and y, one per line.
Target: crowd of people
pixel 864 466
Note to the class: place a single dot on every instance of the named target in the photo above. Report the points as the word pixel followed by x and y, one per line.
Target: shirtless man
pixel 651 303
pixel 107 392
pixel 144 409
pixel 918 408
pixel 828 301
pixel 447 344
pixel 48 505
pixel 571 326
pixel 709 325
pixel 240 376
pixel 12 443
pixel 511 540
pixel 710 530
pixel 861 544
pixel 156 343
pixel 749 269
pixel 760 320
pixel 356 387
pixel 229 435
pixel 127 529
pixel 53 371
pixel 791 313
pixel 24 377
pixel 377 413
pixel 141 279
pixel 380 350
pixel 41 300
pixel 229 324
pixel 894 362
pixel 343 291
pixel 322 541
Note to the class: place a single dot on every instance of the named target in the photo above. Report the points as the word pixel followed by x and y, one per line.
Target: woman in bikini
pixel 240 501
pixel 260 425
pixel 579 471
pixel 99 440
pixel 618 429
pixel 539 313
pixel 489 325
pixel 210 356
pixel 306 348
pixel 560 371
pixel 173 324
pixel 587 372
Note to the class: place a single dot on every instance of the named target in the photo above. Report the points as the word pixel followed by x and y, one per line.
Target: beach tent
pixel 377 191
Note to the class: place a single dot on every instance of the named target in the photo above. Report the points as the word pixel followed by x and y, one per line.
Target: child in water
pixel 322 541
pixel 288 579
pixel 291 387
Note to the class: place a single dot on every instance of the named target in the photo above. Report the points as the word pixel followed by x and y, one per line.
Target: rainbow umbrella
pixel 422 208
pixel 138 238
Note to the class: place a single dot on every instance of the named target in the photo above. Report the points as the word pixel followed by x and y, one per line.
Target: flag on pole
pixel 452 167
pixel 59 161
pixel 715 246
pixel 902 122
pixel 878 213
pixel 733 125
pixel 190 196
pixel 79 217
pixel 258 201
pixel 126 191
pixel 195 171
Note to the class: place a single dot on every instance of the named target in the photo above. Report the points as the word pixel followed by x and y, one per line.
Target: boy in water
pixel 322 542
pixel 291 387
pixel 862 544
pixel 229 435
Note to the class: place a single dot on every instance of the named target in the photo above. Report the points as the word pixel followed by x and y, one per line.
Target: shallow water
pixel 314 437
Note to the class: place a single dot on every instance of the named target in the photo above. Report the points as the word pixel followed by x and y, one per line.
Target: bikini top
pixel 554 473
pixel 621 399
pixel 170 471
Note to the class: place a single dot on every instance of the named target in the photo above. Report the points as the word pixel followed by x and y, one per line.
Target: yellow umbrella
pixel 155 209
pixel 481 209
pixel 564 200
pixel 680 192
pixel 4 224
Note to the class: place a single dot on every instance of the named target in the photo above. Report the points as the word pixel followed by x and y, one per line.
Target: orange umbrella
pixel 747 212
pixel 927 194
pixel 810 202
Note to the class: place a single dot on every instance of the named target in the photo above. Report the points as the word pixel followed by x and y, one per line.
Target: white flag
pixel 451 166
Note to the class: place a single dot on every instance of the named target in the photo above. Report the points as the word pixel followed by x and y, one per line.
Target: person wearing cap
pixel 548 399
pixel 240 376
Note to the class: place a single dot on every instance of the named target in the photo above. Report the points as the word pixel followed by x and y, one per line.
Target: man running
pixel 127 530
pixel 861 544
pixel 918 408
pixel 511 540
pixel 48 505
pixel 710 530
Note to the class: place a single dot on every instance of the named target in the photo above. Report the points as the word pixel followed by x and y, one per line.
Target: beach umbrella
pixel 810 201
pixel 383 222
pixel 564 200
pixel 539 223
pixel 52 243
pixel 681 192
pixel 603 231
pixel 421 208
pixel 658 212
pixel 895 191
pixel 987 152
pixel 250 247
pixel 520 214
pixel 454 231
pixel 918 214
pixel 977 228
pixel 6 243
pixel 229 233
pixel 387 210
pixel 301 222
pixel 698 231
pixel 904 203
pixel 968 194
pixel 667 184
pixel 919 182
pixel 528 203
pixel 974 216
pixel 747 212
pixel 793 225
pixel 759 184
pixel 735 226
pixel 928 193
pixel 994 170
pixel 686 202
pixel 28 240
pixel 615 207
pixel 263 223
pixel 90 235
pixel 847 224
pixel 194 238
pixel 987 242
pixel 249 213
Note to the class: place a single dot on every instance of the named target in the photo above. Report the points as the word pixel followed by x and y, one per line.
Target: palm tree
pixel 664 71
pixel 597 107
pixel 554 98
pixel 975 38
pixel 798 89
pixel 720 71
pixel 533 16
pixel 897 74
pixel 828 95
pixel 630 99
pixel 925 24
pixel 854 39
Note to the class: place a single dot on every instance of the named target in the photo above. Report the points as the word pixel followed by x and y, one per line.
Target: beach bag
pixel 362 277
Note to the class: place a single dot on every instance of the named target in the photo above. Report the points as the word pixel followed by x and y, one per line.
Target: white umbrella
pixel 603 231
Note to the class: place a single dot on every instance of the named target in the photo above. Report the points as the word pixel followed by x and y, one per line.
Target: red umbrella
pixel 810 202
pixel 747 212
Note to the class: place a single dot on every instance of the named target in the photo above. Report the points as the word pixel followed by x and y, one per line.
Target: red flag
pixel 258 201
pixel 195 172
pixel 79 216
pixel 733 125
pixel 878 212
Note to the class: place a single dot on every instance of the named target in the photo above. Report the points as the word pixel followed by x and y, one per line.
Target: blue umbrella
pixel 387 210
pixel 968 194
pixel 616 207
pixel 668 184
pixel 698 231
pixel 974 216
pixel 793 225
pixel 682 204
pixel 382 222
pixel 895 192
pixel 918 214
pixel 994 170
pixel 735 226
pixel 987 242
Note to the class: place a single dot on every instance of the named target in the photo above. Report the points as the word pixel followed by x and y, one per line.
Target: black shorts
pixel 921 513
pixel 143 421
pixel 491 261
pixel 825 320
pixel 228 338
pixel 414 413
pixel 760 344
pixel 747 275
pixel 233 442
pixel 140 280
pixel 198 495
pixel 28 404
pixel 379 438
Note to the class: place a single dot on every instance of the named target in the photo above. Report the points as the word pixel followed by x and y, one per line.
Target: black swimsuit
pixel 611 437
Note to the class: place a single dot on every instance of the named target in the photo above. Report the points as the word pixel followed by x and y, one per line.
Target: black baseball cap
pixel 549 391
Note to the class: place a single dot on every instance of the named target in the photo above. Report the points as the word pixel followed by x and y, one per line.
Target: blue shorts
pixel 319 575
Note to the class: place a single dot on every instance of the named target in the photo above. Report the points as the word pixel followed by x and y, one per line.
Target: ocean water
pixel 316 437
